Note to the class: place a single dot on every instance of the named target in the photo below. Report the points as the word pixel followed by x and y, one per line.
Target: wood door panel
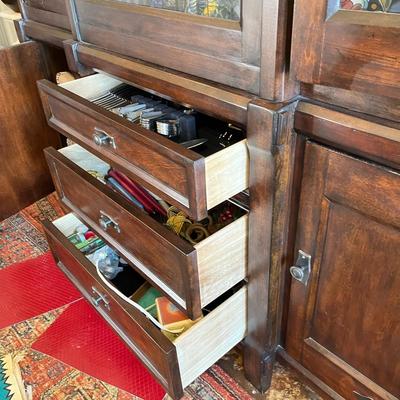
pixel 56 6
pixel 47 17
pixel 360 51
pixel 231 72
pixel 210 48
pixel 357 312
pixel 348 317
pixel 46 33
pixel 46 21
pixel 373 191
pixel 346 49
pixel 151 25
pixel 24 176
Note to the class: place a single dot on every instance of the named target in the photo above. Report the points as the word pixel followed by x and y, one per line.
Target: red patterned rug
pixel 82 339
pixel 21 236
pixel 31 288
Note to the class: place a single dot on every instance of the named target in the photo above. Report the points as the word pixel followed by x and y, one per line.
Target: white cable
pixel 132 303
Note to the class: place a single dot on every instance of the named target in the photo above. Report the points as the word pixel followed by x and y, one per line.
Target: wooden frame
pixel 353 50
pixel 370 139
pixel 47 22
pixel 373 105
pixel 272 147
pixel 249 55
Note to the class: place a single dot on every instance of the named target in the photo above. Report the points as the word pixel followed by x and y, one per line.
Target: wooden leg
pixel 258 361
pixel 269 131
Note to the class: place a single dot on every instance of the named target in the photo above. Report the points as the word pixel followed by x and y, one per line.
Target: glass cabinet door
pixel 225 9
pixel 352 44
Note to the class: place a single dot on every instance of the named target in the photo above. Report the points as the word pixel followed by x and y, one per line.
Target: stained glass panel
pixel 225 9
pixel 390 6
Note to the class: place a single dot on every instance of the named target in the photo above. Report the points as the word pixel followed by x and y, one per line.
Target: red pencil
pixel 141 192
pixel 137 195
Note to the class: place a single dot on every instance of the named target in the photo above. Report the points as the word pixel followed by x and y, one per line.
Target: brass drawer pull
pixel 102 138
pixel 100 298
pixel 106 222
pixel 359 396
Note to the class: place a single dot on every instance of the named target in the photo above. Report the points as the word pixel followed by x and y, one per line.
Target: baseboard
pixel 320 387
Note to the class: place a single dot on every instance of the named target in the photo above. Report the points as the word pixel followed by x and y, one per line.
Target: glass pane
pixel 225 9
pixel 391 6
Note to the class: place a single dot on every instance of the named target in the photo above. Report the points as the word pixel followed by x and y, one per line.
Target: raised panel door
pixel 344 325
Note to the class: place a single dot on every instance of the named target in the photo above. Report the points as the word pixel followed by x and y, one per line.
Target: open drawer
pixel 183 177
pixel 175 364
pixel 192 276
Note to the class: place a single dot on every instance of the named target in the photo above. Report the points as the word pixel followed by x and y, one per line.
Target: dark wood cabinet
pixel 347 49
pixel 344 324
pixel 329 188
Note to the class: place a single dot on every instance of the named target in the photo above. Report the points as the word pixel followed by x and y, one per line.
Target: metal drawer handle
pixel 102 138
pixel 361 397
pixel 106 222
pixel 100 298
pixel 302 270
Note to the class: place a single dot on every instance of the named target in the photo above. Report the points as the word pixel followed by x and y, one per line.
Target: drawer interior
pixel 221 257
pixel 93 87
pixel 225 153
pixel 199 346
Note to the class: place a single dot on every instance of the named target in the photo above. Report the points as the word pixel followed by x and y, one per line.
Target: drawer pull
pixel 102 138
pixel 100 298
pixel 106 222
pixel 359 396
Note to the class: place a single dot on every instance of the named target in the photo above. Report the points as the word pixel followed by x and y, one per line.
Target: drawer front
pixel 149 344
pixel 166 168
pixel 53 13
pixel 159 254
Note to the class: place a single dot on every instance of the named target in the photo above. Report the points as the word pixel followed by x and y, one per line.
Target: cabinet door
pixel 345 44
pixel 24 176
pixel 344 324
pixel 219 40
